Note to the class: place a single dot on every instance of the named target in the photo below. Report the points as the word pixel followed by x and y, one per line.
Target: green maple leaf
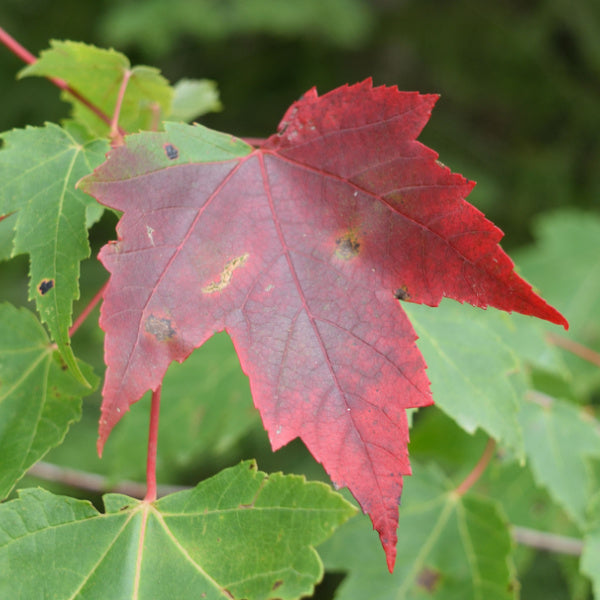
pixel 240 534
pixel 38 398
pixel 449 546
pixel 39 167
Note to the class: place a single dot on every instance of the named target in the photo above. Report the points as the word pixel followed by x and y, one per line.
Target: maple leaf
pixel 300 250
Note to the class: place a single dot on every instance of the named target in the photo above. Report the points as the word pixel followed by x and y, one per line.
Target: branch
pixel 92 482
pixel 478 469
pixel 550 542
pixel 575 348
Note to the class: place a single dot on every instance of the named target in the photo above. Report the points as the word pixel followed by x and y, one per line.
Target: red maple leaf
pixel 300 250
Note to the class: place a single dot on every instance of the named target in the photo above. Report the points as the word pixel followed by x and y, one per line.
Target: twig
pixel 551 542
pixel 478 469
pixel 575 348
pixel 92 482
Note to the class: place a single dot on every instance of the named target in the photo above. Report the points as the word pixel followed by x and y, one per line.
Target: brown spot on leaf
pixel 347 247
pixel 277 584
pixel 428 578
pixel 402 293
pixel 160 328
pixel 171 151
pixel 45 286
pixel 226 275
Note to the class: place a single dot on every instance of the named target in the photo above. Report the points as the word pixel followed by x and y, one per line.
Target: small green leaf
pixel 240 534
pixel 559 442
pixel 476 378
pixel 449 546
pixel 38 169
pixel 38 398
pixel 194 98
pixel 97 73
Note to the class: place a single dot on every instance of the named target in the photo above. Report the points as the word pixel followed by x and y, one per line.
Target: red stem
pixel 29 58
pixel 478 469
pixel 152 446
pixel 115 132
pixel 87 310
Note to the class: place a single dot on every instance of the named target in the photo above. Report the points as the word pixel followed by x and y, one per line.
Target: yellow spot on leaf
pixel 226 275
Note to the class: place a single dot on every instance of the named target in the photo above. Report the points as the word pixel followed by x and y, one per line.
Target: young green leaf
pixel 97 74
pixel 240 534
pixel 449 546
pixel 38 397
pixel 194 98
pixel 39 167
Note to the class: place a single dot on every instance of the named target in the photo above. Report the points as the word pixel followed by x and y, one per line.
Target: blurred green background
pixel 519 113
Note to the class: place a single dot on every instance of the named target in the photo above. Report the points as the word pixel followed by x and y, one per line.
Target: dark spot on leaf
pixel 45 286
pixel 277 584
pixel 171 152
pixel 228 593
pixel 126 507
pixel 347 247
pixel 428 579
pixel 160 328
pixel 402 294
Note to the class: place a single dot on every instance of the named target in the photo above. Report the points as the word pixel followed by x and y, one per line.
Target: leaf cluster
pixel 242 533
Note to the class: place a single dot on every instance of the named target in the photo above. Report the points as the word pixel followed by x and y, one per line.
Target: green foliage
pixel 243 526
pixel 452 546
pixel 239 534
pixel 39 398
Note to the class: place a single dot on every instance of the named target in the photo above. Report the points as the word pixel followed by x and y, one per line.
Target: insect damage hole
pixel 226 275
pixel 402 293
pixel 160 328
pixel 347 247
pixel 45 286
pixel 171 151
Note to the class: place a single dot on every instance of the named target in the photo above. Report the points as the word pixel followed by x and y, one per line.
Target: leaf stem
pixel 87 310
pixel 478 469
pixel 152 447
pixel 575 348
pixel 29 58
pixel 115 132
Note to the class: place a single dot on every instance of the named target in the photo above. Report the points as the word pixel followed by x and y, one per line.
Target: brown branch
pixel 92 482
pixel 550 542
pixel 575 348
pixel 478 469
